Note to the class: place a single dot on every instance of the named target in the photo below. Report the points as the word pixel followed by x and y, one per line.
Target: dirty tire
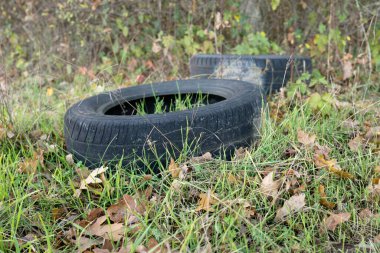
pixel 275 70
pixel 96 132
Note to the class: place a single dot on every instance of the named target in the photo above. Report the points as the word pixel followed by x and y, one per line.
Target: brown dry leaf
pixel 152 246
pixel 376 239
pixel 349 123
pixel 331 166
pixel 156 48
pixel 58 213
pixel 249 210
pixel 147 177
pixel 85 243
pixel 112 232
pixel 125 209
pixel 269 187
pixel 92 179
pixel 292 205
pixel 70 159
pixel 347 70
pixel 365 214
pixel 97 250
pixel 95 213
pixel 29 165
pixel 201 159
pixel 323 200
pixel 375 180
pixel 322 150
pixel 335 219
pixel 373 135
pixel 374 189
pixel 174 169
pixel 206 201
pixel 232 179
pixel 184 171
pixel 305 138
pixel 356 143
pixel 240 153
pixel 298 190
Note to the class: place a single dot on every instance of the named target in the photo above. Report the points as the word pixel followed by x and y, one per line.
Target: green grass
pixel 178 103
pixel 27 201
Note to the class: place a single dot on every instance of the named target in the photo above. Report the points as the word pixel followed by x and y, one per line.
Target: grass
pixel 36 209
pixel 178 103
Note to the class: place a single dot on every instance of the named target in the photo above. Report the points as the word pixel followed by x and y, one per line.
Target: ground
pixel 310 184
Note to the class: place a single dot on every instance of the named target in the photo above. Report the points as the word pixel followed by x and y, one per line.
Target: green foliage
pixel 298 86
pixel 321 104
pixel 256 43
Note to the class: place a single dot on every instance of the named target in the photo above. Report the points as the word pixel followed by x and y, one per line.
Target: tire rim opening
pixel 163 104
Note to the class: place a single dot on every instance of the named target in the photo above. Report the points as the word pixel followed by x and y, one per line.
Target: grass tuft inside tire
pixel 107 127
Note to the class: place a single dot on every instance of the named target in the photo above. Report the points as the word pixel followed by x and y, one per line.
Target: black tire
pixel 95 136
pixel 273 71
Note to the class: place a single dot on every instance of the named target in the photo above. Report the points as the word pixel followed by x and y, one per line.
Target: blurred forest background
pixel 128 42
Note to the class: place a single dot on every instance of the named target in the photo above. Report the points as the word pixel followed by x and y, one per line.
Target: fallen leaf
pixel 112 232
pixel 335 219
pixel 29 165
pixel 201 159
pixel 374 189
pixel 322 150
pixel 347 67
pixel 349 123
pixel 147 177
pixel 323 200
pixel 95 213
pixel 206 201
pixel 375 180
pixel 305 138
pixel 70 159
pixel 91 180
pixel 174 169
pixel 232 179
pixel 58 213
pixel 97 250
pixel 249 210
pixel 376 239
pixel 49 91
pixel 125 209
pixel 331 166
pixel 365 214
pixel 27 238
pixel 156 48
pixel 298 190
pixel 176 185
pixel 140 78
pixel 356 143
pixel 152 246
pixel 240 153
pixel 268 186
pixel 85 243
pixel 373 135
pixel 292 205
